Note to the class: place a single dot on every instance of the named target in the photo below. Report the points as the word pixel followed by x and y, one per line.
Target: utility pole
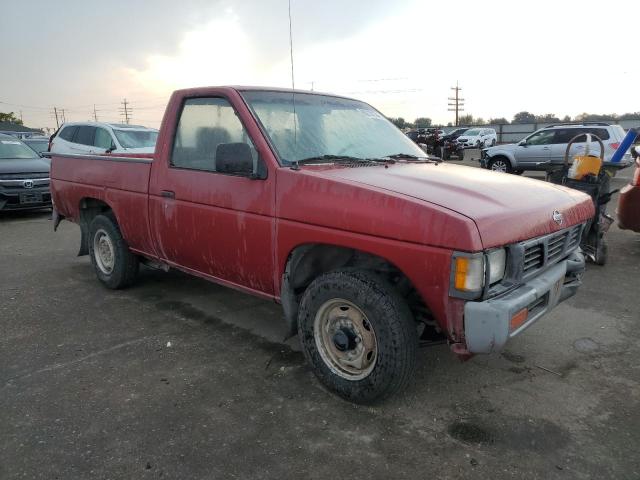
pixel 64 119
pixel 95 114
pixel 55 112
pixel 458 102
pixel 125 112
pixel 21 121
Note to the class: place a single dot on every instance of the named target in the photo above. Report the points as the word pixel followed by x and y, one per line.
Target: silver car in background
pixel 545 148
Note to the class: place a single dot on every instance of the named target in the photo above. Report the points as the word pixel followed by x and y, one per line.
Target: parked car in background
pixel 478 138
pixel 628 211
pixel 24 176
pixel 93 138
pixel 546 147
pixel 454 134
pixel 39 144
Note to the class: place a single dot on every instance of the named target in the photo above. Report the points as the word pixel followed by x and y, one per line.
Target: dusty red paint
pixel 240 232
pixel 628 211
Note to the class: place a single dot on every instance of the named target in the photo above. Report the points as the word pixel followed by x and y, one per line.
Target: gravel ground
pixel 179 378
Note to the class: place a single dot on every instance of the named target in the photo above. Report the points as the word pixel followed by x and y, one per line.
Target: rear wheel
pixel 499 164
pixel 358 334
pixel 115 265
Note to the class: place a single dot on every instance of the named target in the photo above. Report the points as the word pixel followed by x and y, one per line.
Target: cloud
pixel 219 52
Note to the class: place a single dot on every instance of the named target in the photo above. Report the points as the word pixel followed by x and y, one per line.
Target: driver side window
pixel 541 138
pixel 208 128
pixel 102 139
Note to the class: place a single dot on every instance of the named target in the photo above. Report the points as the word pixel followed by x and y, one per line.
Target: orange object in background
pixel 583 166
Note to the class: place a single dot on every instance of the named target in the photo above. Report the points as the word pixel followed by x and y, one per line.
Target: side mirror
pixel 522 143
pixel 111 148
pixel 235 159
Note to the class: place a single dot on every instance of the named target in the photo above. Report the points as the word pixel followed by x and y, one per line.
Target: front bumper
pixel 487 324
pixel 24 199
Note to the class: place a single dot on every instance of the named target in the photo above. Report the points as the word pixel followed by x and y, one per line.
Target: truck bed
pixel 121 182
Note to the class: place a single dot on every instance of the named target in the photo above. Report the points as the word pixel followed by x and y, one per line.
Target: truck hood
pixel 505 208
pixel 21 165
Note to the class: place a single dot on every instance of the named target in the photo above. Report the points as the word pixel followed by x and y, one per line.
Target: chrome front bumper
pixel 487 324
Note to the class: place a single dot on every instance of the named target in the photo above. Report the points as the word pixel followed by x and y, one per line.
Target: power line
pixel 125 112
pixel 458 102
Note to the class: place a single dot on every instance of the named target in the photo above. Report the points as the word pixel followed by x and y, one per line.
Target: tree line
pixel 10 118
pixel 520 117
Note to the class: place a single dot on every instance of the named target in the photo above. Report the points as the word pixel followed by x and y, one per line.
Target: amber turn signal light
pixel 518 319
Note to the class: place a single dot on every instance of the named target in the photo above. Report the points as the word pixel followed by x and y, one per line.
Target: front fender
pixel 498 152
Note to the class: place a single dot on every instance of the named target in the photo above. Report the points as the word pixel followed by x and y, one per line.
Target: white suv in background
pixel 93 138
pixel 478 138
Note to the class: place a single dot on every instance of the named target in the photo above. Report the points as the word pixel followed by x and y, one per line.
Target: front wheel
pixel 499 164
pixel 358 334
pixel 116 267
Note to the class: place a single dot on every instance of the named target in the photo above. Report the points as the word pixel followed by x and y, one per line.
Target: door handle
pixel 168 194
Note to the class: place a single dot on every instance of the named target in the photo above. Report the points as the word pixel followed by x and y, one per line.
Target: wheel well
pixel 500 155
pixel 89 209
pixel 307 262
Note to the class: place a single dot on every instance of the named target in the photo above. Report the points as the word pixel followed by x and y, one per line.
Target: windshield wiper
pixel 413 158
pixel 339 159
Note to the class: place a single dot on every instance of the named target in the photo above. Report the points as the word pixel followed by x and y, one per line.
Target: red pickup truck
pixel 319 203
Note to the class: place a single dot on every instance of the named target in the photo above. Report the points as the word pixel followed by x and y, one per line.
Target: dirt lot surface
pixel 181 379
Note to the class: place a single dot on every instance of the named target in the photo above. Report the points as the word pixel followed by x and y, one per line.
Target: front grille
pixel 22 176
pixel 23 181
pixel 533 258
pixel 548 250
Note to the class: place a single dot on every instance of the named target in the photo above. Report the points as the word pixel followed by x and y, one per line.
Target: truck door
pixel 207 220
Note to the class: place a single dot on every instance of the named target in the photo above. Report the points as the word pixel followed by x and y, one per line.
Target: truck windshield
pixel 11 149
pixel 326 126
pixel 136 138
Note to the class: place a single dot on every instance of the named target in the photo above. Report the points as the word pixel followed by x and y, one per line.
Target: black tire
pixel 496 163
pixel 387 315
pixel 124 264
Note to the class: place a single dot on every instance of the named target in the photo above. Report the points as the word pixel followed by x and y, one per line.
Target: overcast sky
pixel 402 56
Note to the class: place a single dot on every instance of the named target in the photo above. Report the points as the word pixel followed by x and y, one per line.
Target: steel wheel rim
pixel 499 166
pixel 103 251
pixel 339 324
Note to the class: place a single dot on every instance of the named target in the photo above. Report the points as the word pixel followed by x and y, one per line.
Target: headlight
pixel 469 271
pixel 496 261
